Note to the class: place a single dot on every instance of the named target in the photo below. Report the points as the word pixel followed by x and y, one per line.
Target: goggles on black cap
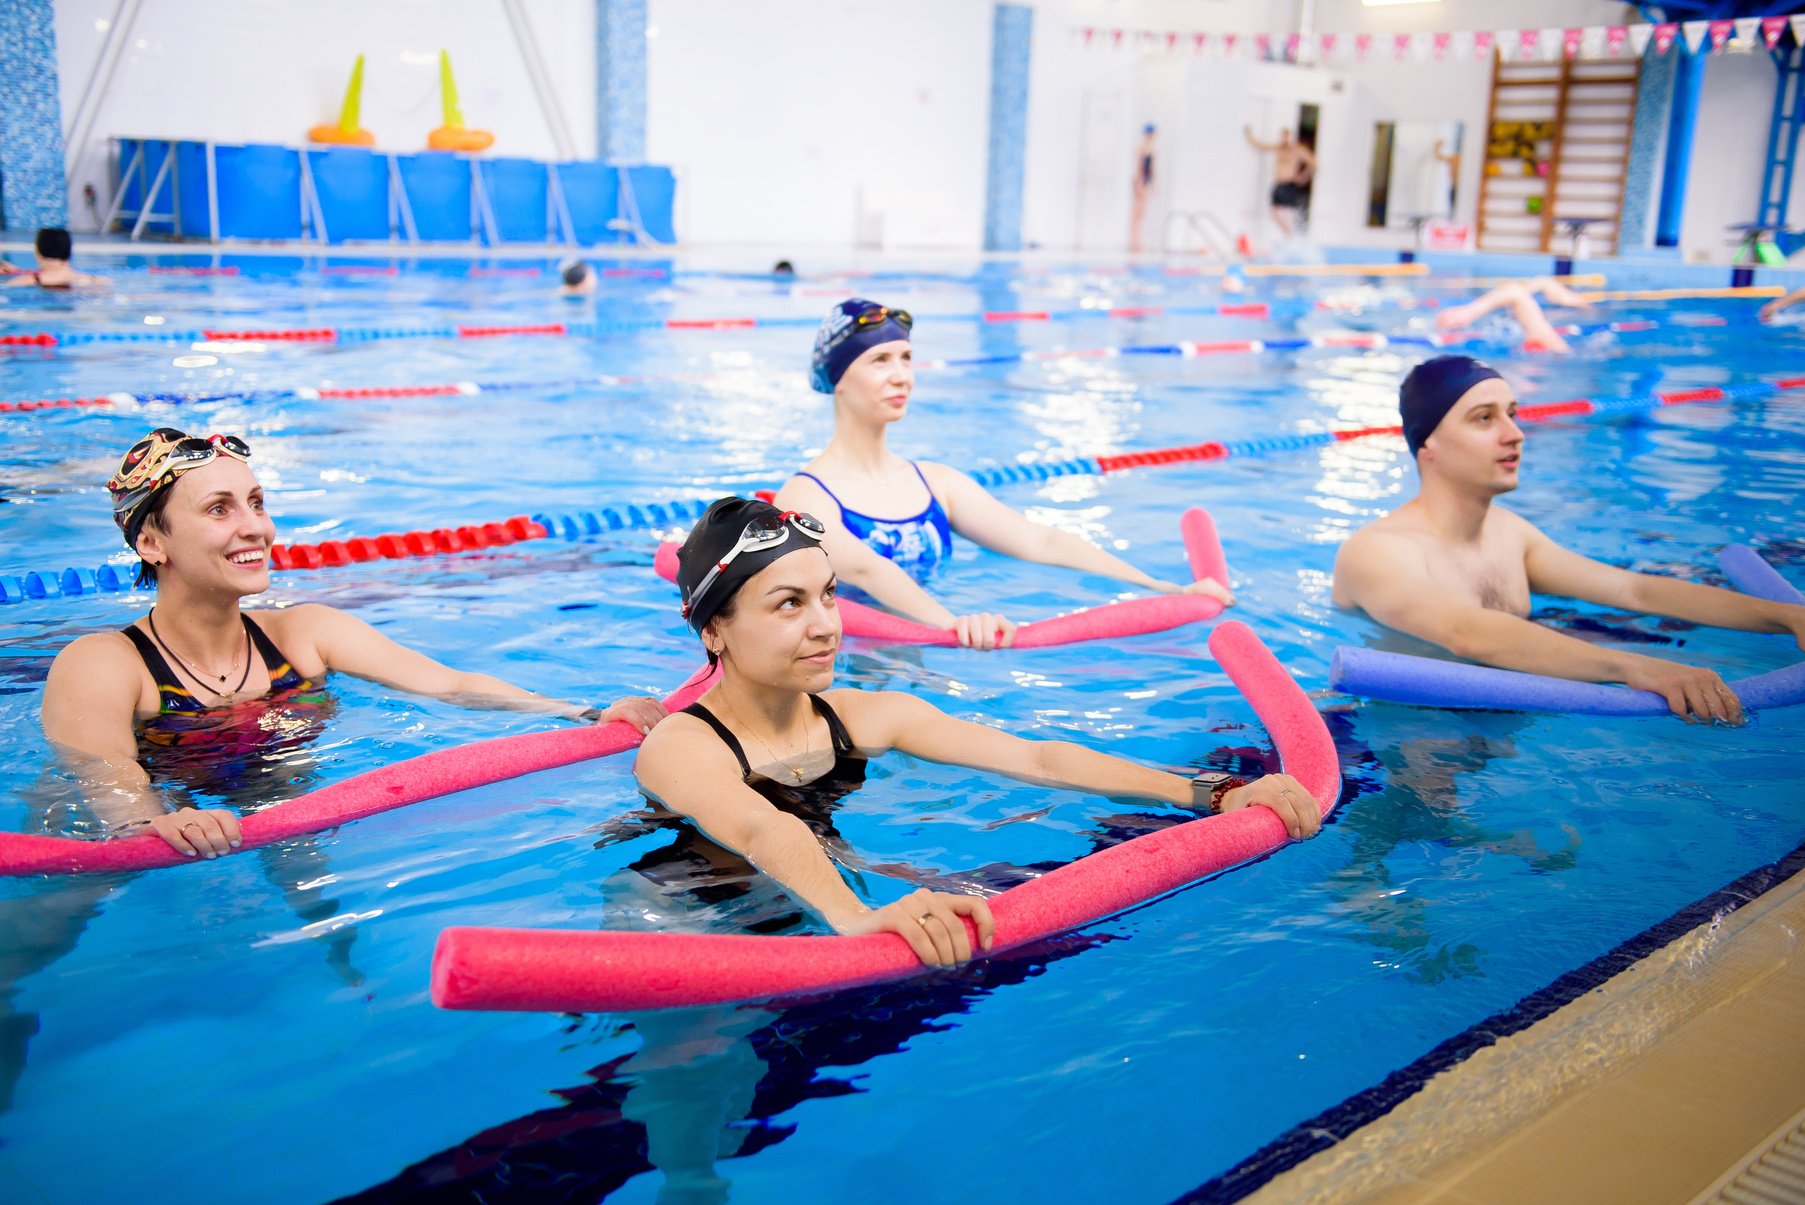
pixel 764 531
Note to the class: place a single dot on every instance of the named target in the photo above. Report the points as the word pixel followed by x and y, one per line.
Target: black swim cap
pixel 715 535
pixel 1431 390
pixel 574 271
pixel 54 243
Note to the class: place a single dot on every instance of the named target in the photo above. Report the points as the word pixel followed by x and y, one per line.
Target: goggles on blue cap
pixel 846 332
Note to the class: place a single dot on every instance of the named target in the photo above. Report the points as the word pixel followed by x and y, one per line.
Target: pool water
pixel 259 1028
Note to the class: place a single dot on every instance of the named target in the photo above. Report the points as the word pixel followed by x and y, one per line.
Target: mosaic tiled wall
pixel 1009 59
pixel 31 118
pixel 1653 96
pixel 620 80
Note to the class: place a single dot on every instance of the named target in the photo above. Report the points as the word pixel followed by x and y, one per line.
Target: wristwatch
pixel 1208 788
pixel 589 715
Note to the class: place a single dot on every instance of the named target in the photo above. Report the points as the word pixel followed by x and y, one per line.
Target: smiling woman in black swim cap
pixel 761 760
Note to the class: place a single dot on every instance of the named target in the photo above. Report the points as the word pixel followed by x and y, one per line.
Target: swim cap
pixel 574 271
pixel 724 526
pixel 153 464
pixel 1431 390
pixel 849 328
pixel 54 243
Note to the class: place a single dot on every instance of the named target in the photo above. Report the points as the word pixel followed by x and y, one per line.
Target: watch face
pixel 1213 778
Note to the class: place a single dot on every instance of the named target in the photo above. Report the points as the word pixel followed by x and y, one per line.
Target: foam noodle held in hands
pixel 413 781
pixel 586 971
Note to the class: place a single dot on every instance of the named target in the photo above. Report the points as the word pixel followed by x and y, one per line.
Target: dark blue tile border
pixel 1331 1126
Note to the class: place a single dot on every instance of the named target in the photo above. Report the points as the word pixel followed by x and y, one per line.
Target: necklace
pixel 808 747
pixel 195 672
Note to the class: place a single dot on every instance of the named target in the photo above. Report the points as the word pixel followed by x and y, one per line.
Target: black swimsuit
pixel 698 883
pixel 247 752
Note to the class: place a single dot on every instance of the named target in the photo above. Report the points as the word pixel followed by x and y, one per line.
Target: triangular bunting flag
pixel 1720 32
pixel 1482 43
pixel 1441 45
pixel 1527 41
pixel 1197 42
pixel 1116 42
pixel 1362 43
pixel 1694 32
pixel 1745 32
pixel 1613 39
pixel 1400 45
pixel 1262 45
pixel 1664 35
pixel 1570 41
pixel 1771 29
pixel 1552 44
pixel 1294 44
pixel 1228 45
pixel 1328 45
pixel 1639 39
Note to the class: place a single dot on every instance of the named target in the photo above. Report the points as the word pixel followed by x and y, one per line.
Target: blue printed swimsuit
pixel 917 543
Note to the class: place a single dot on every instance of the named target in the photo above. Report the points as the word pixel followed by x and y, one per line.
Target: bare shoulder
pixel 98 653
pixel 683 749
pixel 1384 551
pixel 804 493
pixel 943 478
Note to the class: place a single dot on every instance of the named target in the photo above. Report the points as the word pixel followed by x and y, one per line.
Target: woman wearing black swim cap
pixel 741 763
pixel 193 511
pixel 862 358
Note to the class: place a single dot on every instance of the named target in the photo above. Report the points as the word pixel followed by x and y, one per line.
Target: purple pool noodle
pixel 1430 682
pixel 1755 577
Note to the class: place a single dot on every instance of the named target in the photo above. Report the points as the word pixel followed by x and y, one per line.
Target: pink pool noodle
pixel 381 790
pixel 1130 617
pixel 587 971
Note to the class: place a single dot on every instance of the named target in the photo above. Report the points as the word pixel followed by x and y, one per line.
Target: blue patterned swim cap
pixel 849 328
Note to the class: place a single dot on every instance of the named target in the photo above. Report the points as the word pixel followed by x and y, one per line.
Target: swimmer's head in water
pixel 574 272
pixel 732 541
pixel 849 328
pixel 54 243
pixel 154 464
pixel 1431 390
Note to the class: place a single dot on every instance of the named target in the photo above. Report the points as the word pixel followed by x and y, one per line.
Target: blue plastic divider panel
pixel 655 192
pixel 138 182
pixel 259 190
pixel 438 191
pixel 592 191
pixel 353 186
pixel 517 194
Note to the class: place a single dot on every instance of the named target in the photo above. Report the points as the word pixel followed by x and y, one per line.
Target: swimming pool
pixel 243 1041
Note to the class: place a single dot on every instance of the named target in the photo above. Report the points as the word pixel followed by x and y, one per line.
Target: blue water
pixel 206 1033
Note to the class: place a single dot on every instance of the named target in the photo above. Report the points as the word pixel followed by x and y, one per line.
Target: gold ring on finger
pixel 924 918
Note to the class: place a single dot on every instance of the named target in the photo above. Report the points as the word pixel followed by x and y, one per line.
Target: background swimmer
pixel 1452 568
pixel 54 247
pixel 1519 297
pixel 863 358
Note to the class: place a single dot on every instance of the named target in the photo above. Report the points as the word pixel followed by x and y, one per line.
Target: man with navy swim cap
pixel 1453 569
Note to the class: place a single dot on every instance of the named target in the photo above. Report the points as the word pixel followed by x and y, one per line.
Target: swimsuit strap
pixel 702 713
pixel 836 730
pixel 924 482
pixel 273 660
pixel 835 497
pixel 154 661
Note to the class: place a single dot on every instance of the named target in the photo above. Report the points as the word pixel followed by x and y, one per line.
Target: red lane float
pixel 1129 617
pixel 583 971
pixel 401 545
pixel 412 781
pixel 317 334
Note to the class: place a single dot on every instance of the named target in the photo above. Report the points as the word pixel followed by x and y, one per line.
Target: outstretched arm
pixel 349 645
pixel 1387 577
pixel 1557 570
pixel 977 515
pixel 879 721
pixel 1257 144
pixel 1781 303
pixel 690 770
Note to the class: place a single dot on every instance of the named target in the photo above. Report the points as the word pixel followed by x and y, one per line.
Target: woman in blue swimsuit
pixel 862 357
pixel 198 672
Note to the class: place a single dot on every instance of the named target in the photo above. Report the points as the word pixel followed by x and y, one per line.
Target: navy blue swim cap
pixel 849 328
pixel 1431 390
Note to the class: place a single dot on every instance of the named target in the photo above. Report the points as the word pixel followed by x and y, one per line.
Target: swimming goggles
pixel 767 531
pixel 160 458
pixel 870 316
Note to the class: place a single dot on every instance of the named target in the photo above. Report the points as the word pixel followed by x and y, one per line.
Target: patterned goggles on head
pixel 156 461
pixel 871 316
pixel 767 531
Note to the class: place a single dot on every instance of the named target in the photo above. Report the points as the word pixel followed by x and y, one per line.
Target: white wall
pixel 1729 148
pixel 267 70
pixel 794 124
